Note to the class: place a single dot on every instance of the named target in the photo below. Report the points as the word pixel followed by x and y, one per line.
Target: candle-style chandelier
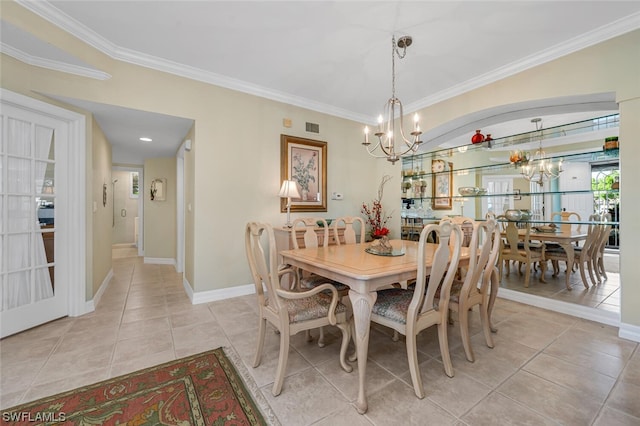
pixel 385 132
pixel 540 168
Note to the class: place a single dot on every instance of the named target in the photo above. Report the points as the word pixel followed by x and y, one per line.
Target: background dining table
pixel 567 239
pixel 364 273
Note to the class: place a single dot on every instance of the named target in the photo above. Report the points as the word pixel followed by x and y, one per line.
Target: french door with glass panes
pixel 31 289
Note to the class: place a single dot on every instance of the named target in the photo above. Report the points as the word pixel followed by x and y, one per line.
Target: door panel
pixel 30 293
pixel 575 177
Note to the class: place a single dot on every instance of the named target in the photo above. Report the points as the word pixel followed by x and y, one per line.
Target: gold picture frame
pixel 304 161
pixel 442 183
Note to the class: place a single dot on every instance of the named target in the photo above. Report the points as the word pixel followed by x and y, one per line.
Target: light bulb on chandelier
pixel 385 132
pixel 540 168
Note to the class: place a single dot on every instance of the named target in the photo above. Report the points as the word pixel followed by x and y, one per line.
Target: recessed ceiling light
pixel 146 139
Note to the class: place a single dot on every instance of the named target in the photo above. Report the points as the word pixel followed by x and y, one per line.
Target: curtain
pixel 27 278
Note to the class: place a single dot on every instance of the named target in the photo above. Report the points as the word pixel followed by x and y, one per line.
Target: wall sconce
pixel 158 191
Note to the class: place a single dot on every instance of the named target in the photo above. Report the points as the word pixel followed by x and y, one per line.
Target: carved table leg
pixel 362 306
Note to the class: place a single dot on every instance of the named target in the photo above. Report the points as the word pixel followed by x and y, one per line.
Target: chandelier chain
pixel 393 67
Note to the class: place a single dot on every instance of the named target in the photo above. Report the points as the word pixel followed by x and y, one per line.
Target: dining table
pixel 564 237
pixel 364 273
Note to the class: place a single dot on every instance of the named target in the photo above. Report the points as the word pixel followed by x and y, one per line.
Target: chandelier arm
pixel 540 169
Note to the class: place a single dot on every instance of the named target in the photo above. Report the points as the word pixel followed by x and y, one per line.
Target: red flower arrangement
pixel 375 216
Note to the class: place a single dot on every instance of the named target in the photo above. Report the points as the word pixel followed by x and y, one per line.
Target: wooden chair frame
pixel 424 310
pixel 276 309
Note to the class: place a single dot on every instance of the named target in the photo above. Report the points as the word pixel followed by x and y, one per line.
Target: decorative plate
pixel 437 166
pixel 393 253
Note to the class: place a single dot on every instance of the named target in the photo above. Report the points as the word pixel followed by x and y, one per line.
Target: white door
pixel 576 177
pixel 32 289
pixel 502 187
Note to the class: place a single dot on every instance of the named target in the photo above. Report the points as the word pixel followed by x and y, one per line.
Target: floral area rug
pixel 203 389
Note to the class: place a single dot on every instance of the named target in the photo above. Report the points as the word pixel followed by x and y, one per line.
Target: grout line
pixel 615 385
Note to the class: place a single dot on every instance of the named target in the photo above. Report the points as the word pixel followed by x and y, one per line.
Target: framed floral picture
pixel 304 161
pixel 442 185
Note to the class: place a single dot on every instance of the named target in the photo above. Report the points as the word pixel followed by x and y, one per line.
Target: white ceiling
pixel 333 57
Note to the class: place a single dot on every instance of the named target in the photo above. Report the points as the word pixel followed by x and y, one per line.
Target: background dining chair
pixel 526 253
pixel 567 217
pixel 289 311
pixel 598 253
pixel 466 226
pixel 585 255
pixel 475 289
pixel 354 229
pixel 411 311
pixel 312 239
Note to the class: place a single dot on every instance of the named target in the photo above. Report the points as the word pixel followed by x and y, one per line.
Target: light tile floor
pixel 546 367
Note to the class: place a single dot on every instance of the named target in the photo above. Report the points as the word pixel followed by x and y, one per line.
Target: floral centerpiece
pixel 376 218
pixel 302 173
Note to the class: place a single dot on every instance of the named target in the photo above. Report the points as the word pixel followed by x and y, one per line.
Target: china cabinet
pixel 475 179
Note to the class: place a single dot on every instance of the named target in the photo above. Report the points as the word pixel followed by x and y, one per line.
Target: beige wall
pixel 160 216
pixel 236 173
pixel 103 216
pixel 189 207
pixel 630 203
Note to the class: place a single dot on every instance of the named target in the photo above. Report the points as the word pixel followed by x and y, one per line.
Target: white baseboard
pixel 90 305
pixel 160 261
pixel 187 288
pixel 592 314
pixel 215 295
pixel 222 294
pixel 629 332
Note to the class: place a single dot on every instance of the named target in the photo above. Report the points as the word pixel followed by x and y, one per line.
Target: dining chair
pixel 474 289
pixel 307 280
pixel 584 255
pixel 522 251
pixel 567 217
pixel 466 226
pixel 313 240
pixel 354 229
pixel 409 311
pixel 598 253
pixel 289 311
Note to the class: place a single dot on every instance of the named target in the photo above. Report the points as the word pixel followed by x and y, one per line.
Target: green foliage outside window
pixel 606 194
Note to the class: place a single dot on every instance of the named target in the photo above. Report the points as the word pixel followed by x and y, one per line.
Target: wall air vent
pixel 313 127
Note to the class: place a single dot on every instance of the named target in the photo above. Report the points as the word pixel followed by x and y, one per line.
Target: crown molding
pixel 47 11
pixel 192 73
pixel 52 64
pixel 598 35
